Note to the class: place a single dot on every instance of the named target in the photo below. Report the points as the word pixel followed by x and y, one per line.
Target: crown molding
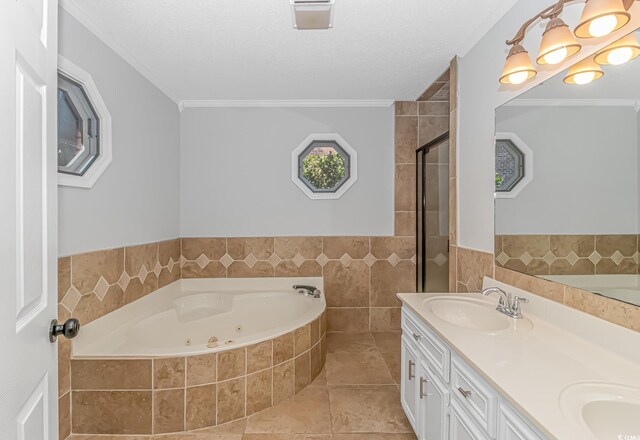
pixel 635 103
pixel 77 12
pixel 319 103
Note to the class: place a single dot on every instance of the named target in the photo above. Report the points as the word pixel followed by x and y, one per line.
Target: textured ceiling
pixel 248 50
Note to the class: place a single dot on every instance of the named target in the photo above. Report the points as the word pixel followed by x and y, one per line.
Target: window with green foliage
pixel 324 166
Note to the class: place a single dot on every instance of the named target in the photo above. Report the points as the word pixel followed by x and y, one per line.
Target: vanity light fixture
pixel 599 18
pixel 518 67
pixel 558 43
pixel 584 72
pixel 619 52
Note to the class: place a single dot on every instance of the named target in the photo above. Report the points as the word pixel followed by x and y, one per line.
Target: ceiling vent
pixel 312 14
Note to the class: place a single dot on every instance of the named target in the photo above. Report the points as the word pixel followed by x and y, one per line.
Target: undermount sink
pixel 600 410
pixel 473 313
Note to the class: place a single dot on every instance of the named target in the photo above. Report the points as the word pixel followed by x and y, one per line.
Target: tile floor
pixel 355 397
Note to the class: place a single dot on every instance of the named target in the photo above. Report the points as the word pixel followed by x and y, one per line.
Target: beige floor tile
pixel 360 409
pixel 393 361
pixel 305 413
pixel 198 436
pixel 388 342
pixel 367 368
pixel 107 437
pixel 321 379
pixel 350 342
pixel 375 436
pixel 236 427
pixel 287 437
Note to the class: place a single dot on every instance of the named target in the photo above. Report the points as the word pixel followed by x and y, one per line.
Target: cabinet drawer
pixel 436 352
pixel 475 395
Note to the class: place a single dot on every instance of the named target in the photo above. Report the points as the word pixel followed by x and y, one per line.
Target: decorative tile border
pixel 568 254
pixel 170 395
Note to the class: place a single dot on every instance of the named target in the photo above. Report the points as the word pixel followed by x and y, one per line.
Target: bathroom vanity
pixel 470 372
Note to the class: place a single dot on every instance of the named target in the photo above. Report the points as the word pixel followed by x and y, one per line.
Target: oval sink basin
pixel 602 410
pixel 472 313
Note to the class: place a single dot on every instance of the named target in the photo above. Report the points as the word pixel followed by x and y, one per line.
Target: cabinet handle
pixel 416 337
pixel 464 392
pixel 411 364
pixel 422 382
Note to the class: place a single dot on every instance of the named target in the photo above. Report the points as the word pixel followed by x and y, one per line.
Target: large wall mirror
pixel 568 177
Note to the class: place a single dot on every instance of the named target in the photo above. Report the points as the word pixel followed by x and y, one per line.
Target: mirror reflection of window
pixel 578 221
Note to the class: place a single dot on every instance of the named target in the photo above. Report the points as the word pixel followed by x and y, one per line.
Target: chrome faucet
pixel 307 290
pixel 511 307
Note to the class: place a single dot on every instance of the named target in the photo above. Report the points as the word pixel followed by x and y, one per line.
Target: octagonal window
pixel 323 166
pixel 78 125
pixel 514 165
pixel 84 128
pixel 509 165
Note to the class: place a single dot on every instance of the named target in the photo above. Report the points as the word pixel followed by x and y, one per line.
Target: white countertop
pixel 532 368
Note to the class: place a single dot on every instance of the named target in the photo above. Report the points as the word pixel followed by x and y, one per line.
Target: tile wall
pixel 417 123
pixel 568 254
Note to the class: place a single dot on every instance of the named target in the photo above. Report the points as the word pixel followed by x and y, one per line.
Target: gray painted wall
pixel 236 172
pixel 585 171
pixel 136 200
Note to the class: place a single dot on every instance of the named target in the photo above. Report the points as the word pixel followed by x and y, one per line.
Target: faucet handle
pixel 518 299
pixel 516 306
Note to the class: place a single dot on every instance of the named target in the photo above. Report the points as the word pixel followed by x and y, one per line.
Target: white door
pixel 28 218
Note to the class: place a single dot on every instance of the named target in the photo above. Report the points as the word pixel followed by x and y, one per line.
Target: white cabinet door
pixel 409 382
pixel 461 426
pixel 28 223
pixel 512 427
pixel 434 407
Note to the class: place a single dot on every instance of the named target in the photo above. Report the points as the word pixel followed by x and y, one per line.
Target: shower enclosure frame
pixel 421 164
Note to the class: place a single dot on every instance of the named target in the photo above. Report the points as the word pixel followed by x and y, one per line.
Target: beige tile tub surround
pixel 568 254
pixel 334 407
pixel 164 395
pixel 361 274
pixel 92 284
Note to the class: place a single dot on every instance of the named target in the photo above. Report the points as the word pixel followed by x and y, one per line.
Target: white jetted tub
pixel 196 316
pixel 195 354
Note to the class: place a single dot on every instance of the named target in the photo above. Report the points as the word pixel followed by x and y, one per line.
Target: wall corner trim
pixel 285 103
pixel 76 11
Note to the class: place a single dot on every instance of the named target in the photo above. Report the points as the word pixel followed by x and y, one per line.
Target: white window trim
pixel 96 169
pixel 528 165
pixel 353 170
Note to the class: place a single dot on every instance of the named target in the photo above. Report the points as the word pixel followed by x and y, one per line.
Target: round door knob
pixel 69 329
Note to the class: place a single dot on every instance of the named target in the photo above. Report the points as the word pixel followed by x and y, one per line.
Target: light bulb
pixel 603 25
pixel 620 55
pixel 556 56
pixel 518 77
pixel 584 77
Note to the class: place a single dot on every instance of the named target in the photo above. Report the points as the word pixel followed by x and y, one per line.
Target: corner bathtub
pixel 223 348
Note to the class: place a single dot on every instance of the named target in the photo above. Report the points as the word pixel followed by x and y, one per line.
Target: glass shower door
pixel 433 215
